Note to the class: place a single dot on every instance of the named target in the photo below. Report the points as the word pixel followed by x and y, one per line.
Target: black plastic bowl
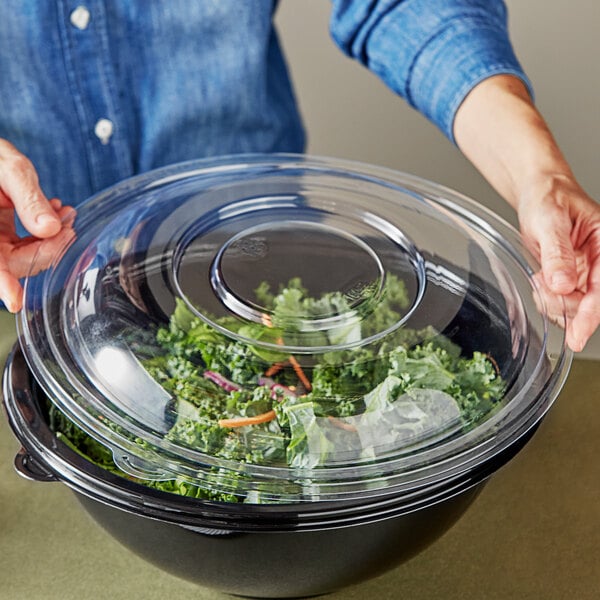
pixel 313 548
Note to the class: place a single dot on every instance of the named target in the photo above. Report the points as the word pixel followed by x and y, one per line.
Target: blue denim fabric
pixel 183 79
pixel 430 52
pixel 178 79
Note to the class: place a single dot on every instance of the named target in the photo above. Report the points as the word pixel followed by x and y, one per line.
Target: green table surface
pixel 534 532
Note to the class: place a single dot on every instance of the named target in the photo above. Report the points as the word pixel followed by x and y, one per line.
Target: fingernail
pixel 47 222
pixel 44 220
pixel 561 279
pixel 575 343
pixel 11 306
pixel 577 346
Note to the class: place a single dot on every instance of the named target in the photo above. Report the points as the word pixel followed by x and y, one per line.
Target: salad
pixel 259 404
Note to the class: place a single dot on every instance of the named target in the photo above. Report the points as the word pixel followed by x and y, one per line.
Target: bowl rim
pixel 58 462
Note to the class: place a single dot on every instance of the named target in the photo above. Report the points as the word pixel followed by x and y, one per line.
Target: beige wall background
pixel 349 113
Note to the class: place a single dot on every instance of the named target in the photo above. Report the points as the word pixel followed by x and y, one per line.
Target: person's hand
pixel 561 225
pixel 503 134
pixel 48 221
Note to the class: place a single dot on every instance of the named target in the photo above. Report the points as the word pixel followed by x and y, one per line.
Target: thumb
pixel 19 188
pixel 551 232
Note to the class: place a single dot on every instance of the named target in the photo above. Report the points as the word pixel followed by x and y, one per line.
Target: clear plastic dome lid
pixel 286 328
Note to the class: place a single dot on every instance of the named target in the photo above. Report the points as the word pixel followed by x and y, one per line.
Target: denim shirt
pixel 94 91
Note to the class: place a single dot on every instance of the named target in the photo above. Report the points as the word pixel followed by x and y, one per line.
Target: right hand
pixel 49 222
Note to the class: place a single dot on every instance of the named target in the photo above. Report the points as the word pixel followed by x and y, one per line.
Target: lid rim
pixel 449 457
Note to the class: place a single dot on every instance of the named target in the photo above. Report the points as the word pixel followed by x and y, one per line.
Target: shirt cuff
pixel 430 52
pixel 464 53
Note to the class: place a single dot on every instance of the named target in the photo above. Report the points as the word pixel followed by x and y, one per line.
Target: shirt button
pixel 104 130
pixel 80 17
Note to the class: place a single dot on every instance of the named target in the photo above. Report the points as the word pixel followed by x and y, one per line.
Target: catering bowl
pixel 264 551
pixel 185 247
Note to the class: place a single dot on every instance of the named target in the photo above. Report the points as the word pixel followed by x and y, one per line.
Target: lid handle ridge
pixel 30 468
pixel 138 468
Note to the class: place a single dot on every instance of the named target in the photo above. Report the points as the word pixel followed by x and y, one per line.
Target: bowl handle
pixel 30 468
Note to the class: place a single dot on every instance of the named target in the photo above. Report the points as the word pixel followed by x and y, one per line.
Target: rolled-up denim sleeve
pixel 430 52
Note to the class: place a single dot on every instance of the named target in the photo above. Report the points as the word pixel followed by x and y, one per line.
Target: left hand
pixel 503 134
pixel 561 226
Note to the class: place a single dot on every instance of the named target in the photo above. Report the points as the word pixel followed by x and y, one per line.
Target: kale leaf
pixel 359 402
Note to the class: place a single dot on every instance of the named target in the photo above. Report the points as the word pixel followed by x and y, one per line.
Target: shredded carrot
pixel 297 368
pixel 266 320
pixel 345 426
pixel 274 369
pixel 492 360
pixel 301 376
pixel 243 421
